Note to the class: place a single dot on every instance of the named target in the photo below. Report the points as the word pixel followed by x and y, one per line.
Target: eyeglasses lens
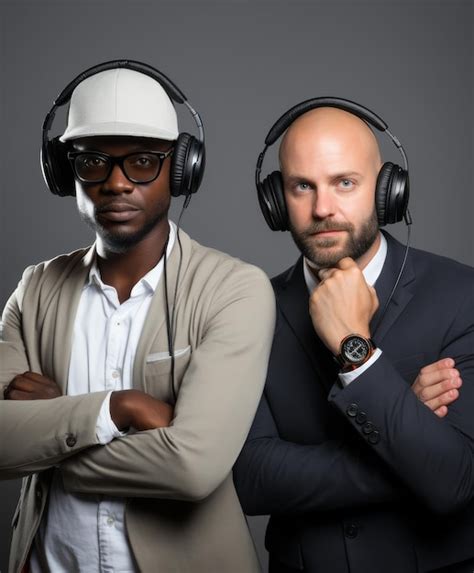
pixel 138 167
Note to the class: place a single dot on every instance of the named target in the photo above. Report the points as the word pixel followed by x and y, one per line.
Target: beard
pixel 324 252
pixel 118 240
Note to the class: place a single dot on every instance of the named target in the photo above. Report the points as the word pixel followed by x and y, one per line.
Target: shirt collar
pixel 150 280
pixel 371 272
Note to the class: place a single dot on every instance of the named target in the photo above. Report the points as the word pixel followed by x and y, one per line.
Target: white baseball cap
pixel 121 102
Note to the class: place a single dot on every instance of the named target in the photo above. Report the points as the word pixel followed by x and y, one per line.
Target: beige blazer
pixel 182 512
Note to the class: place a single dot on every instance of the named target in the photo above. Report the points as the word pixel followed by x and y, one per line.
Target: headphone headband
pixel 292 114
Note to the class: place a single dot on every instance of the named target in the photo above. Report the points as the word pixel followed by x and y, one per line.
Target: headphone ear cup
pixel 57 172
pixel 272 201
pixel 391 196
pixel 382 192
pixel 187 165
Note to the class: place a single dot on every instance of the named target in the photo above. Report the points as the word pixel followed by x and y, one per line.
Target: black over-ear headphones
pixel 392 188
pixel 188 159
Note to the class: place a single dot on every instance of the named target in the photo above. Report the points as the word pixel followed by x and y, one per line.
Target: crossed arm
pixel 273 475
pixel 186 452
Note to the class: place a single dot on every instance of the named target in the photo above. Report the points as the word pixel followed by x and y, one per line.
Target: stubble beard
pixel 118 241
pixel 321 252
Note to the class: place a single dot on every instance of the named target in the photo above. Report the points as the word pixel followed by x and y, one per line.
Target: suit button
pixel 352 410
pixel 351 530
pixel 361 417
pixel 374 437
pixel 368 428
pixel 38 495
pixel 71 440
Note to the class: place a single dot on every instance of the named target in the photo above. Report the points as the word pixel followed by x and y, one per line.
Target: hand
pixel 31 386
pixel 437 385
pixel 343 303
pixel 132 408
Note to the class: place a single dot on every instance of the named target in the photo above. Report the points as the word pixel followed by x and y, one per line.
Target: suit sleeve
pixel 216 403
pixel 433 457
pixel 37 434
pixel 276 476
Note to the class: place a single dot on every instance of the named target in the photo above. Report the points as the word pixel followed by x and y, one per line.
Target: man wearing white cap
pixel 130 374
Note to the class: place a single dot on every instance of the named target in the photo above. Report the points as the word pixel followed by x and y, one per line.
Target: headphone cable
pixel 408 222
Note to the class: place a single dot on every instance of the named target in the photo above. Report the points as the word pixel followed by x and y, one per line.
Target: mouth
pixel 117 212
pixel 328 233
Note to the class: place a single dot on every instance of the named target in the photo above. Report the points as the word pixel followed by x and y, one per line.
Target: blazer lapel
pixel 154 332
pixel 385 316
pixel 68 302
pixel 293 299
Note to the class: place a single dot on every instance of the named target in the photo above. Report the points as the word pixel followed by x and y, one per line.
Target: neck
pixel 123 270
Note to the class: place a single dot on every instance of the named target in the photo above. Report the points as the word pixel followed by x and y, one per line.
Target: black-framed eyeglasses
pixel 138 167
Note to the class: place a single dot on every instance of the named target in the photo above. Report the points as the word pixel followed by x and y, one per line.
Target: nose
pixel 323 203
pixel 117 183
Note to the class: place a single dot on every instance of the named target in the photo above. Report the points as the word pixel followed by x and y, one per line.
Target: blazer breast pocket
pixel 410 366
pixel 158 377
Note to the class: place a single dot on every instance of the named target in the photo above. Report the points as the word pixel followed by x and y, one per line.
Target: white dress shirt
pixel 371 273
pixel 86 533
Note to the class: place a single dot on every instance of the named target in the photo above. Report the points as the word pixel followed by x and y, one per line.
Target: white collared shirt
pixel 86 533
pixel 371 273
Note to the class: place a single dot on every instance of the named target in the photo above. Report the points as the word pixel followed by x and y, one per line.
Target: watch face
pixel 355 349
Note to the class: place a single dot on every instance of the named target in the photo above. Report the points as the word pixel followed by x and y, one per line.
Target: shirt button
pixel 352 410
pixel 351 530
pixel 115 374
pixel 71 440
pixel 110 521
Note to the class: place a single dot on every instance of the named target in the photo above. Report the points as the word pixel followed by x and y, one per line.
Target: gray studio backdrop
pixel 242 64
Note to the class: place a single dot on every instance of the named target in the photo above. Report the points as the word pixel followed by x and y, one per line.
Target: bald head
pixel 326 132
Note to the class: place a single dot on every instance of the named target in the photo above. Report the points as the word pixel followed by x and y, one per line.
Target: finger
pixel 325 273
pixel 448 375
pixel 442 364
pixel 23 385
pixel 434 390
pixel 18 395
pixel 443 400
pixel 346 263
pixel 35 377
pixel 441 411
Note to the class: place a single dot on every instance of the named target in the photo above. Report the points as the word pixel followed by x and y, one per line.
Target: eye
pixel 346 184
pixel 142 160
pixel 302 186
pixel 92 161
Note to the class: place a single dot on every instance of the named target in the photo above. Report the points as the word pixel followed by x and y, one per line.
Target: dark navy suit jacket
pixel 367 479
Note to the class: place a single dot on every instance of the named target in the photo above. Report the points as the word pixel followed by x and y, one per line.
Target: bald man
pixel 364 467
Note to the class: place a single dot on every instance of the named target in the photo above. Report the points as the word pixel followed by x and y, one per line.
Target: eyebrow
pixel 297 178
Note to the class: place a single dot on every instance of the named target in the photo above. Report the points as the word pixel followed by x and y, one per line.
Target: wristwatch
pixel 354 351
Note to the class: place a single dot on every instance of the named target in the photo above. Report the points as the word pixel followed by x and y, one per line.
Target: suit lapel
pixel 293 299
pixel 385 316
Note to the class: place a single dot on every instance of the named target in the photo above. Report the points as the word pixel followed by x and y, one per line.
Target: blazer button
pixel 361 417
pixel 351 530
pixel 368 428
pixel 352 410
pixel 71 440
pixel 374 437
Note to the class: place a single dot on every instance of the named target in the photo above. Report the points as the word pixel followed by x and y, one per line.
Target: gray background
pixel 242 64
